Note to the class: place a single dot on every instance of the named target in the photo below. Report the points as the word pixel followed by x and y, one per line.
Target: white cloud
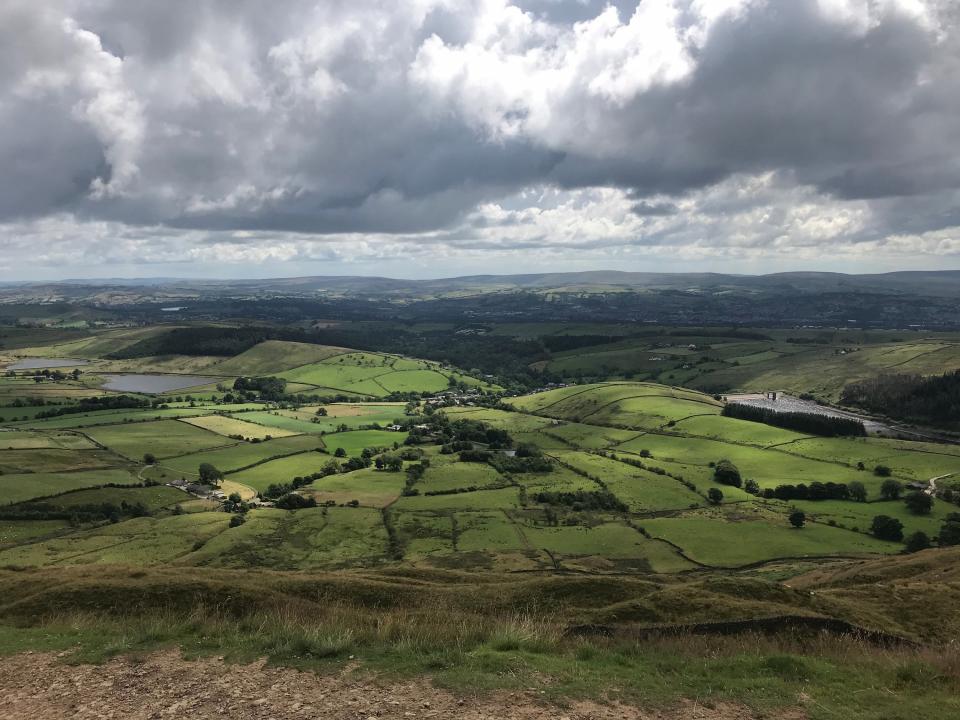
pixel 228 133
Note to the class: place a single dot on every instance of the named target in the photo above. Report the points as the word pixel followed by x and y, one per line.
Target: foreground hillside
pixel 520 645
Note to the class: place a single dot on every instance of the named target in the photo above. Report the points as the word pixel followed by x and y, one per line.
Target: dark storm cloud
pixel 388 118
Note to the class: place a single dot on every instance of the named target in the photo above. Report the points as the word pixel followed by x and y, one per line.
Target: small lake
pixel 154 384
pixel 36 363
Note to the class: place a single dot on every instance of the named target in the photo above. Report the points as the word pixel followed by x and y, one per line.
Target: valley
pixel 382 479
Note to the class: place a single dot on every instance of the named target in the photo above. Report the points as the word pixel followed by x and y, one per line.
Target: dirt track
pixel 38 686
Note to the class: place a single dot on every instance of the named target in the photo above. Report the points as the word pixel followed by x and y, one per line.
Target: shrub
pixel 918 541
pixel 890 490
pixel 715 495
pixel 882 471
pixel 919 503
pixel 950 531
pixel 857 490
pixel 885 527
pixel 294 501
pixel 726 473
pixel 209 474
pixel 237 520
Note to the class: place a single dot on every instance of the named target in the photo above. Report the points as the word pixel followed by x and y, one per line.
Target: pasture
pixel 745 536
pixel 16 488
pixel 281 470
pixel 242 454
pixel 457 514
pixel 227 426
pixel 369 487
pixel 163 438
pixel 354 441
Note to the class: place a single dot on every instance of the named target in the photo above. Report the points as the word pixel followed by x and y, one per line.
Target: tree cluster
pixel 813 423
pixel 581 500
pixel 931 400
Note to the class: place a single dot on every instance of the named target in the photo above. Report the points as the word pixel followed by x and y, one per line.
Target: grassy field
pixel 275 356
pixel 736 537
pixel 31 440
pixel 307 421
pixel 354 441
pixel 375 375
pixel 519 574
pixel 820 362
pixel 308 539
pixel 138 541
pixel 369 487
pixel 55 460
pixel 163 438
pixel 153 498
pixel 16 487
pixel 242 455
pixel 227 426
pixel 282 470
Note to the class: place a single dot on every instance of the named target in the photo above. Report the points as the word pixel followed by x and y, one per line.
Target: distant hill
pixel 937 283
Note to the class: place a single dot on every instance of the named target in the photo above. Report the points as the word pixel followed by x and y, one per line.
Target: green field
pixel 375 375
pixel 275 356
pixel 242 454
pixel 227 426
pixel 19 487
pixel 163 438
pixel 737 537
pixel 354 441
pixel 282 470
pixel 369 487
pixel 467 512
pixel 579 554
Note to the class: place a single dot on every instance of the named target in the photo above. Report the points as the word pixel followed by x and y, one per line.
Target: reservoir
pixel 154 384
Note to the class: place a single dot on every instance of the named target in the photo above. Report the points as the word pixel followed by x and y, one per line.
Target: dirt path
pixel 932 490
pixel 163 685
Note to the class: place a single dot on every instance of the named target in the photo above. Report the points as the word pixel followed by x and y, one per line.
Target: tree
pixel 890 490
pixel 339 452
pixel 919 503
pixel 857 490
pixel 752 487
pixel 798 518
pixel 237 520
pixel 149 459
pixel 209 474
pixel 726 473
pixel 321 412
pixel 715 495
pixel 885 527
pixel 918 541
pixel 881 471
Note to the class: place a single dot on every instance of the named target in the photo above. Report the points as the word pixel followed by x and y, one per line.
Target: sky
pixel 431 138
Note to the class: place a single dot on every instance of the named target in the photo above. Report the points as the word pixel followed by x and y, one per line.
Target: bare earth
pixel 38 686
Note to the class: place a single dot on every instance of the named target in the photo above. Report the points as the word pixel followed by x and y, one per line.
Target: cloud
pixel 140 133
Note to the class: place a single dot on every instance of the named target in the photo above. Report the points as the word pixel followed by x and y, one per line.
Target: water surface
pixel 153 384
